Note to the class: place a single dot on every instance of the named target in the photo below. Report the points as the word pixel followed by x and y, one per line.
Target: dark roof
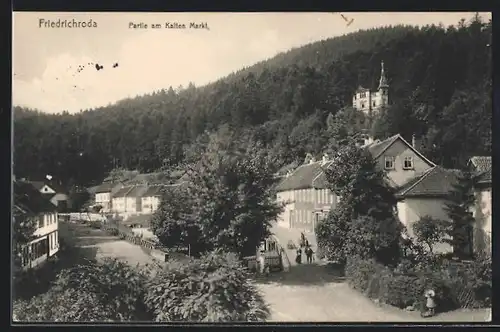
pixel 378 147
pixel 122 192
pixel 48 196
pixel 153 191
pixel 29 199
pixel 105 187
pixel 137 191
pixel 484 177
pixel 287 168
pixel 481 163
pixel 302 177
pixel 436 182
pixel 37 184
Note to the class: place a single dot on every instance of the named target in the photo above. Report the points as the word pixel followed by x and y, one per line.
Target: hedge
pixel 456 285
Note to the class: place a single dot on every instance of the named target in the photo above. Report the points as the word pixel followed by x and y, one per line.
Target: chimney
pixel 415 142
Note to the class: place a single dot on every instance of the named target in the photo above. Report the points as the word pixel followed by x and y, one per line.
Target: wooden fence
pixel 129 236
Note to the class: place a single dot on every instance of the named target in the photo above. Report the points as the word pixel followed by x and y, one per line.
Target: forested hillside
pixel 295 103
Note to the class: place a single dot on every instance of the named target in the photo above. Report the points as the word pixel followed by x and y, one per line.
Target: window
pixel 408 163
pixel 374 104
pixel 362 105
pixel 389 162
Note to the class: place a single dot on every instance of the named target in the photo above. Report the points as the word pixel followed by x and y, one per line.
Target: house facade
pixel 426 195
pixel 30 203
pixel 306 196
pixel 151 199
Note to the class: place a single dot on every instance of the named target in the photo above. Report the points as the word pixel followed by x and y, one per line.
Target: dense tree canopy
pixel 227 203
pixel 440 88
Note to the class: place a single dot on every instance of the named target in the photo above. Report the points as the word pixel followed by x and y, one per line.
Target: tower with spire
pixel 369 101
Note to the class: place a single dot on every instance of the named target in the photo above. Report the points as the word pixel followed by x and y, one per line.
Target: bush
pixel 91 292
pixel 214 288
pixel 359 272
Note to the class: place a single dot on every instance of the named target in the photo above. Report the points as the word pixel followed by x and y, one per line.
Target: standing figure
pixel 430 303
pixel 302 240
pixel 262 262
pixel 309 254
pixel 298 258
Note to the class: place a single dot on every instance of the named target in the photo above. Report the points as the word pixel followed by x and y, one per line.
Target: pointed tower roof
pixel 383 79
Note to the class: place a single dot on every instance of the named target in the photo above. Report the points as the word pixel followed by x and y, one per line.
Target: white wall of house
pixel 411 210
pixel 131 205
pixel 104 199
pixel 150 204
pixel 119 204
pixel 47 230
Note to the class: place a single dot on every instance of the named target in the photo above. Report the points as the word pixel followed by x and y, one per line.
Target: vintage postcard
pixel 252 167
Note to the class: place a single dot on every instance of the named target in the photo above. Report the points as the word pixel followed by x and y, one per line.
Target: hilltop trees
pixel 440 88
pixel 227 203
pixel 364 223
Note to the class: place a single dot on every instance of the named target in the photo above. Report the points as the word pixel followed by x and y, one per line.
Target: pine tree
pixel 458 207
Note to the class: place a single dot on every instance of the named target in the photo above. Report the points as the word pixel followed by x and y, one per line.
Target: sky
pixel 46 59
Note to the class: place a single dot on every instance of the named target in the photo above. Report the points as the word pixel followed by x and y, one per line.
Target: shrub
pixel 214 288
pixel 359 272
pixel 105 291
pixel 401 291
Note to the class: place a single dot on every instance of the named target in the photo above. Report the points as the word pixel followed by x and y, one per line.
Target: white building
pixel 29 203
pixel 369 101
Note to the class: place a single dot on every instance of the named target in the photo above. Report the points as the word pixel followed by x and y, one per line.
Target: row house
pixel 306 196
pixel 30 203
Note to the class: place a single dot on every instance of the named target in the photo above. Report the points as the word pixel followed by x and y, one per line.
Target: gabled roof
pixel 377 148
pixel 122 192
pixel 37 184
pixel 302 178
pixel 137 191
pixel 28 199
pixel 481 163
pixel 436 182
pixel 105 187
pixel 153 191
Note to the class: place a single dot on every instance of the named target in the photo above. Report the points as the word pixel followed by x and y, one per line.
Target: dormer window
pixel 389 163
pixel 408 163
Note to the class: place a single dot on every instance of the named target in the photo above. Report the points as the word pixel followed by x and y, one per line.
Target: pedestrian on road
pixel 302 239
pixel 298 259
pixel 309 254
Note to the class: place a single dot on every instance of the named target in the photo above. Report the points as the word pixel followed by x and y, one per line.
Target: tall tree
pixel 458 207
